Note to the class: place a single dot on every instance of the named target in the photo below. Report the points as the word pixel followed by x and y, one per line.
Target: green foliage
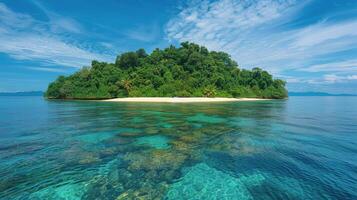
pixel 210 91
pixel 127 60
pixel 187 71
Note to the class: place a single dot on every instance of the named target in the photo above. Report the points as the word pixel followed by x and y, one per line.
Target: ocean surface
pixel 300 148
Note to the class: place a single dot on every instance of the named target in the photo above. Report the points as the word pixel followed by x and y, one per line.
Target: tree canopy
pixel 187 71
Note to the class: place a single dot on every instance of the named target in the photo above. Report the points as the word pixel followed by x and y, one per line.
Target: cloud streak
pixel 256 34
pixel 324 80
pixel 59 23
pixel 321 33
pixel 332 78
pixel 228 25
pixel 24 38
pixel 46 69
pixel 343 66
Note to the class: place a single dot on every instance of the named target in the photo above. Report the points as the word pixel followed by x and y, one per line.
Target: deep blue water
pixel 300 148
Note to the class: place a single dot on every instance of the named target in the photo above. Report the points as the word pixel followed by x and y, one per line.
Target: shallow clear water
pixel 300 148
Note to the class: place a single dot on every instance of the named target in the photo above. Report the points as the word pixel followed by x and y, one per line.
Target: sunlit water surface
pixel 300 148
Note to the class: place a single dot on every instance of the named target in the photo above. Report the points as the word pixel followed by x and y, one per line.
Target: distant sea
pixel 318 94
pixel 299 148
pixel 30 93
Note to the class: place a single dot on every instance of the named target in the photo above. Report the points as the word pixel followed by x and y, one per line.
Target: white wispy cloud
pixel 65 25
pixel 218 23
pixel 321 33
pixel 333 78
pixel 25 38
pixel 59 23
pixel 46 69
pixel 255 33
pixel 9 18
pixel 47 49
pixel 342 66
pixel 325 79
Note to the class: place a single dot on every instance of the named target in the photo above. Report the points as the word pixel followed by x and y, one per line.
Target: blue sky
pixel 312 44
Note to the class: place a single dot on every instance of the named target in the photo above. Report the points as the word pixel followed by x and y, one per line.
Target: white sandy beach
pixel 180 99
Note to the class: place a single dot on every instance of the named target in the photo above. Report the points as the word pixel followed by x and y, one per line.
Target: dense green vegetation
pixel 187 71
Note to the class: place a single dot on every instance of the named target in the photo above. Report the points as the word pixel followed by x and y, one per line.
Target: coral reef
pixel 88 158
pixel 156 141
pixel 204 182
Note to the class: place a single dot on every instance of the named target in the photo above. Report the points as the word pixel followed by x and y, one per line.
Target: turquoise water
pixel 300 148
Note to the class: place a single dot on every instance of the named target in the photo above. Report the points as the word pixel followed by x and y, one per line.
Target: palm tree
pixel 126 84
pixel 209 91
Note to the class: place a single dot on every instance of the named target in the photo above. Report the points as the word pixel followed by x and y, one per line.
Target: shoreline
pixel 181 99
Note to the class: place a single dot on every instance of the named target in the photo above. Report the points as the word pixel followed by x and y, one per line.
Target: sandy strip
pixel 180 99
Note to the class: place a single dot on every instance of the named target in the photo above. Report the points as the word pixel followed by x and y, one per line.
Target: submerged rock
pixel 148 191
pixel 94 138
pixel 206 119
pixel 88 158
pixel 151 130
pixel 66 191
pixel 155 160
pixel 156 141
pixel 204 182
pixel 131 134
pixel 102 187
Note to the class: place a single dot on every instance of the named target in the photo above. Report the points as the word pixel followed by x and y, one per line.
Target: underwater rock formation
pixel 204 182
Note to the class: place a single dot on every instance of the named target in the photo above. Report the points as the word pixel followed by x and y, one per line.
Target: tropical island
pixel 190 70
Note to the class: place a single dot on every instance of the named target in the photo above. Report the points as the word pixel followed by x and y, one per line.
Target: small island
pixel 187 71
